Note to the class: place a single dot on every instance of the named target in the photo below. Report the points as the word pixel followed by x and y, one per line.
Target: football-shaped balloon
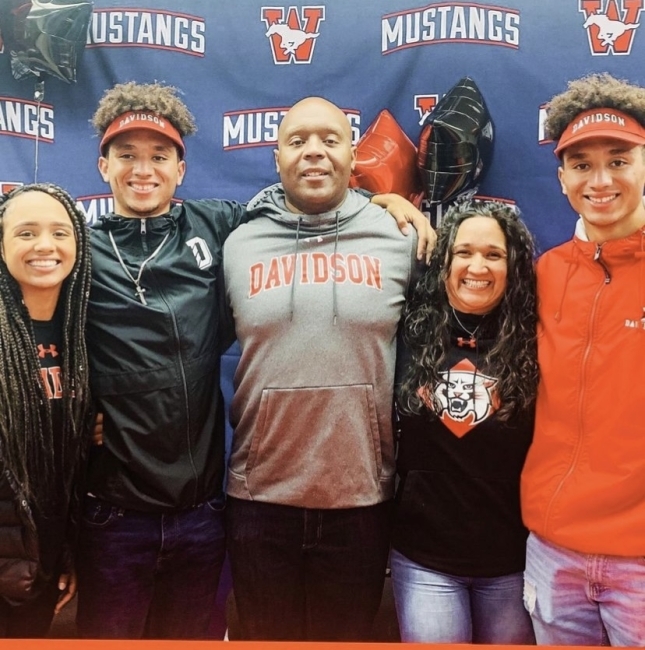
pixel 455 144
pixel 45 36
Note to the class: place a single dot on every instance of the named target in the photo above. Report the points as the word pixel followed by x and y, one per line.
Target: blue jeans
pixel 148 575
pixel 301 574
pixel 580 599
pixel 435 607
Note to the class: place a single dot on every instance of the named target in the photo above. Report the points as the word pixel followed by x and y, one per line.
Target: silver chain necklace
pixel 139 290
pixel 472 341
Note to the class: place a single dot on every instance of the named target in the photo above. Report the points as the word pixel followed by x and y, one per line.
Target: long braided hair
pixel 39 462
pixel 427 323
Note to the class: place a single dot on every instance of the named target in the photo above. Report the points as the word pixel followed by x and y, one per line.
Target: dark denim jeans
pixel 301 574
pixel 148 575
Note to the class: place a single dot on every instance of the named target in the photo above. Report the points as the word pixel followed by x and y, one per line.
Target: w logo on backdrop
pixel 611 24
pixel 292 37
pixel 7 186
pixel 424 104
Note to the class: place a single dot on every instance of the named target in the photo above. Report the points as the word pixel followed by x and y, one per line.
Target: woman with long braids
pixel 44 401
pixel 466 394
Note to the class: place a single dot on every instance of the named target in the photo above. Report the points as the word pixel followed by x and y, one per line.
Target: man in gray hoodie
pixel 316 285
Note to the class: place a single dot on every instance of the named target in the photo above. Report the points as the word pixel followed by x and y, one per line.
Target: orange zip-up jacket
pixel 583 484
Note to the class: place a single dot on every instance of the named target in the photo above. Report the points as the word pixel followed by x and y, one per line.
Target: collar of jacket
pixel 613 250
pixel 131 230
pixel 113 221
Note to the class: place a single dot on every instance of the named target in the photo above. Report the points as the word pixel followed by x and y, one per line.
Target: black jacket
pixel 18 542
pixel 155 366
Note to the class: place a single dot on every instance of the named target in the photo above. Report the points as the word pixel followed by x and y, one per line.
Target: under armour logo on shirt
pixel 42 351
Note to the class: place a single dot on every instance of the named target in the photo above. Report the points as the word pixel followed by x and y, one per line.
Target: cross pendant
pixel 140 291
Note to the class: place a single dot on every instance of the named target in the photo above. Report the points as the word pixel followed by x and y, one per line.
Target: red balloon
pixel 386 160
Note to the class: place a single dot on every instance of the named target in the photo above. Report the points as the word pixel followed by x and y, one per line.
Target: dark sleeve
pixel 77 494
pixel 220 217
pixel 226 322
pixel 417 270
pixel 402 359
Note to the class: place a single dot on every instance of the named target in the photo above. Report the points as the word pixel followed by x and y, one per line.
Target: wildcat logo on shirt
pixel 611 24
pixel 465 397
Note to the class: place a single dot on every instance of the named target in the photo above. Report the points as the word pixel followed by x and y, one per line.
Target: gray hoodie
pixel 316 301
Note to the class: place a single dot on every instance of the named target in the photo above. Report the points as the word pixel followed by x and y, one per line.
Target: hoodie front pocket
pixel 316 447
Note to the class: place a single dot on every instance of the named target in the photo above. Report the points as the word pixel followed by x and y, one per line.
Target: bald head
pixel 315 156
pixel 317 106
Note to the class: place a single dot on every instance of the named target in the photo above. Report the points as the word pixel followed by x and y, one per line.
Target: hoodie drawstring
pixel 295 265
pixel 334 297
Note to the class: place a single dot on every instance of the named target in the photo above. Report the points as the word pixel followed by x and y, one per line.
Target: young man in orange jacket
pixel 583 485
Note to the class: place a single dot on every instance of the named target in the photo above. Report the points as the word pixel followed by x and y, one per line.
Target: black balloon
pixel 456 143
pixel 45 36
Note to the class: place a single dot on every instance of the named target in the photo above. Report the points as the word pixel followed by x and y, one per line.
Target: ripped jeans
pixel 579 599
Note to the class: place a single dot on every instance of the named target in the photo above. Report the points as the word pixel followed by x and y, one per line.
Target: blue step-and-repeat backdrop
pixel 241 63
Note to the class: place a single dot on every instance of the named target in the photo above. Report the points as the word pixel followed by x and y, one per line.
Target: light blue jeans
pixel 579 599
pixel 435 607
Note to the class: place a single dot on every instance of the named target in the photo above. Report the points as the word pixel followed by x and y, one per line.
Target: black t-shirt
pixel 51 525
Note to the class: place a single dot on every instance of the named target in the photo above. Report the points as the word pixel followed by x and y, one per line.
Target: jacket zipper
pixel 597 258
pixel 144 238
pixel 585 359
pixel 184 385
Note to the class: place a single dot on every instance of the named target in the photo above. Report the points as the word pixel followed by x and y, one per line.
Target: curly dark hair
pixel 599 90
pixel 131 96
pixel 427 316
pixel 43 463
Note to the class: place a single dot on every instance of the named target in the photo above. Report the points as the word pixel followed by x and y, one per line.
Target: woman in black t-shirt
pixel 44 401
pixel 468 376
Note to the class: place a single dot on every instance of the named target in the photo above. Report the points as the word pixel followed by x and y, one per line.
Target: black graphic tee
pixel 51 525
pixel 458 498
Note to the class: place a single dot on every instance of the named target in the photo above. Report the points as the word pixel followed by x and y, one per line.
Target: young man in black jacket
pixel 152 538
